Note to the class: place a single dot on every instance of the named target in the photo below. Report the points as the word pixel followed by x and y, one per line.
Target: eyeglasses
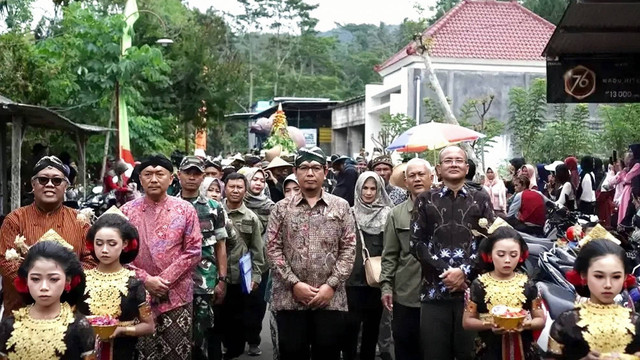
pixel 43 180
pixel 449 162
pixel 316 169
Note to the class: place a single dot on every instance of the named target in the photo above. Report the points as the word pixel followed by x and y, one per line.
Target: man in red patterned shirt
pixel 170 245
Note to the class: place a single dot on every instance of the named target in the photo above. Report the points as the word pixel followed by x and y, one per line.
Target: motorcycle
pixel 98 201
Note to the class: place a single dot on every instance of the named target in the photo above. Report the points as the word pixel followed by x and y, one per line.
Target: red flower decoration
pixel 574 278
pixel 524 256
pixel 486 258
pixel 89 245
pixel 20 284
pixel 77 279
pixel 132 245
pixel 630 281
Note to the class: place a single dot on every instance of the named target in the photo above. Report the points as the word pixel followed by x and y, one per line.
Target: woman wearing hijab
pixel 255 198
pixel 371 208
pixel 257 201
pixel 529 171
pixel 497 190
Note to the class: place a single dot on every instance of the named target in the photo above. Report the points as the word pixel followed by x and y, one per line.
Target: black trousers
pixel 406 332
pixel 441 333
pixel 365 312
pixel 310 334
pixel 255 308
pixel 231 325
pixel 588 208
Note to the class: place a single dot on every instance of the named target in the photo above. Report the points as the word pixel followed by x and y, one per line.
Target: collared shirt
pixel 32 223
pixel 400 270
pixel 247 225
pixel 397 194
pixel 212 226
pixel 315 245
pixel 441 236
pixel 170 245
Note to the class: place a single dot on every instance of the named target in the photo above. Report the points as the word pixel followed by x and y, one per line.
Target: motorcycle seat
pixel 557 299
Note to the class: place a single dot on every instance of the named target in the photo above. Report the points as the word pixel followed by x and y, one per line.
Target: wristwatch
pixel 224 279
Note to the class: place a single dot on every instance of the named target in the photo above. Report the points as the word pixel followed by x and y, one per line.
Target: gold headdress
pixel 484 223
pixel 114 210
pixel 598 232
pixel 52 235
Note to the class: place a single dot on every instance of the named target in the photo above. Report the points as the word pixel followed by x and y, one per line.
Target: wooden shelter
pixel 21 117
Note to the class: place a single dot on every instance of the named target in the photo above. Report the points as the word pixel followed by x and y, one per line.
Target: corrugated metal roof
pixel 41 117
pixel 597 27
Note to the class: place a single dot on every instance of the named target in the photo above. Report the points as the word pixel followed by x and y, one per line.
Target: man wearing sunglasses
pixel 49 182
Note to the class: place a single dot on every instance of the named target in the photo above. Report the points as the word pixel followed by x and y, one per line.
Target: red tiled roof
pixel 485 29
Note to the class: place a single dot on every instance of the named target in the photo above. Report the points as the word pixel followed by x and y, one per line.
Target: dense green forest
pixel 218 64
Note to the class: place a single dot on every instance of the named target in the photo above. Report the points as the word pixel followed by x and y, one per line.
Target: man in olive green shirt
pixel 236 308
pixel 401 272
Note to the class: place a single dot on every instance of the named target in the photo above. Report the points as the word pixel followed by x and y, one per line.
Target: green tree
pixel 391 126
pixel 475 116
pixel 567 134
pixel 527 110
pixel 621 126
pixel 442 7
pixel 552 10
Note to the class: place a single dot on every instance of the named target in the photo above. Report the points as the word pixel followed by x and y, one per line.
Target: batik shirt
pixel 212 226
pixel 441 236
pixel 170 243
pixel 397 194
pixel 315 245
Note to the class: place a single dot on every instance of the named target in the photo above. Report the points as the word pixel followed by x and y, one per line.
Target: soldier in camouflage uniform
pixel 210 277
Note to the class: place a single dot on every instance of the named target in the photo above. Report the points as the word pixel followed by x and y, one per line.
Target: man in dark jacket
pixel 346 178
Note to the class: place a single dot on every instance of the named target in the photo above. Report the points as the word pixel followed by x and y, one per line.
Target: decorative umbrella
pixel 431 136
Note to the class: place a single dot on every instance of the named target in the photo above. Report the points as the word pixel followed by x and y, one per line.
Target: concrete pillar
pixel 16 158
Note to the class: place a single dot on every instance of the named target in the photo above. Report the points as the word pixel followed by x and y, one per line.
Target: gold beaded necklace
pixel 35 339
pixel 606 328
pixel 105 291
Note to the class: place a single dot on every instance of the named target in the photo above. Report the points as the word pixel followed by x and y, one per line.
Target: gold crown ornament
pixel 598 232
pixel 114 210
pixel 484 223
pixel 52 235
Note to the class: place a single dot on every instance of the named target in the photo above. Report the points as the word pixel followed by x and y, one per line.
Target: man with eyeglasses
pixel 311 246
pixel 49 182
pixel 170 250
pixel 443 242
pixel 400 276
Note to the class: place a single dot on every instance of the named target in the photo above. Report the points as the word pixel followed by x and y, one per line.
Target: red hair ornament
pixel 20 284
pixel 131 246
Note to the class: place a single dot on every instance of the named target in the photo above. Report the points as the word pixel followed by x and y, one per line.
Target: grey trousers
pixel 441 332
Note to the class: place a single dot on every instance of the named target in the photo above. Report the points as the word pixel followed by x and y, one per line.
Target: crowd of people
pixel 198 252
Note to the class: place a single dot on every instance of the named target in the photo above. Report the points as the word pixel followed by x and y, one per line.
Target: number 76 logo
pixel 580 82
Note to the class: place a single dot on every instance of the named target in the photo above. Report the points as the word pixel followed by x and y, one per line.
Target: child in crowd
pixel 503 283
pixel 598 328
pixel 112 289
pixel 52 282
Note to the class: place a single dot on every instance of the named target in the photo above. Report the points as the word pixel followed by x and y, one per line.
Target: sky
pixel 328 12
pixel 342 11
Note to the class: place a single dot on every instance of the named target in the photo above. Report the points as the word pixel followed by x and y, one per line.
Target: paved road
pixel 266 346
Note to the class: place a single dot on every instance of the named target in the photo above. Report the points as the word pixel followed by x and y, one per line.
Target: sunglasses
pixel 43 180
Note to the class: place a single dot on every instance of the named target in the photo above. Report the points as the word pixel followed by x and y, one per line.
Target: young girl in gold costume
pixel 599 328
pixel 113 290
pixel 503 283
pixel 52 282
